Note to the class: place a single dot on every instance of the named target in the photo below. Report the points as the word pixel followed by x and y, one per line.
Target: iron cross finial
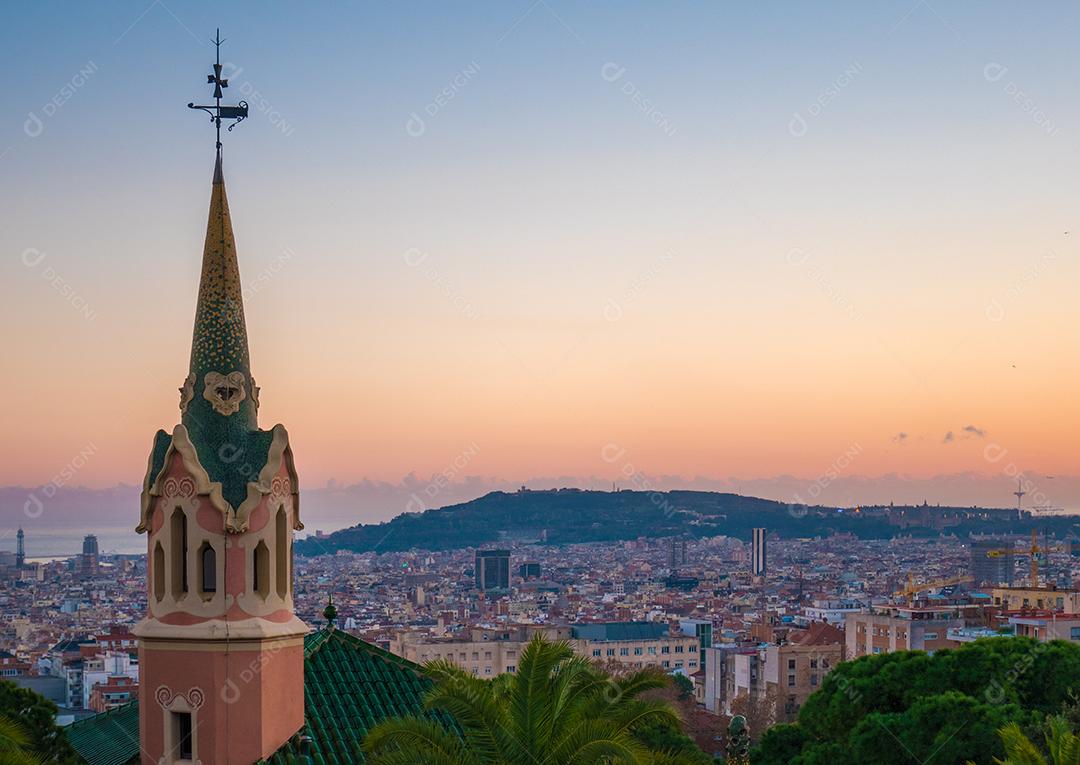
pixel 216 111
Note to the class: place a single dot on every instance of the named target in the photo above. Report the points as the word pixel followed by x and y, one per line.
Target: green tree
pixel 557 709
pixel 35 718
pixel 664 737
pixel 684 684
pixel 780 745
pixel 911 706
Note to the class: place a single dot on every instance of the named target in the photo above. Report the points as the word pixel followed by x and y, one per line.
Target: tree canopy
pixel 31 728
pixel 912 706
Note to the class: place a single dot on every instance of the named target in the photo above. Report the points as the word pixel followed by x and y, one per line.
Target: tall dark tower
pixel 758 553
pixel 20 549
pixel 89 545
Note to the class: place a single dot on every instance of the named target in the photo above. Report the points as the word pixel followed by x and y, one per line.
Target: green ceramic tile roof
pixel 349 687
pixel 109 738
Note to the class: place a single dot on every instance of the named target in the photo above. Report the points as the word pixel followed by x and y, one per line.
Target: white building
pixel 100 668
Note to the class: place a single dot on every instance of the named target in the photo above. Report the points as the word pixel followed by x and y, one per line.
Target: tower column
pixel 220 650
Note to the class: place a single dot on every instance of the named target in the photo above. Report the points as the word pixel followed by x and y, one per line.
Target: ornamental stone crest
pixel 187 392
pixel 255 393
pixel 165 696
pixel 281 487
pixel 179 488
pixel 224 392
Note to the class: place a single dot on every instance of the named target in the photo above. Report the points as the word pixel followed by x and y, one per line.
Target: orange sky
pixel 544 271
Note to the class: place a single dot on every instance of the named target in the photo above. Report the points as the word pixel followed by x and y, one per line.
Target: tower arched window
pixel 281 568
pixel 178 551
pixel 159 571
pixel 260 569
pixel 207 569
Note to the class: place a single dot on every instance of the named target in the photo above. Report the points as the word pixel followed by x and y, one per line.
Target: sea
pixel 48 544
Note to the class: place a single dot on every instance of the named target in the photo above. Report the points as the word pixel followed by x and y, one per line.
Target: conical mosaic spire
pixel 219 400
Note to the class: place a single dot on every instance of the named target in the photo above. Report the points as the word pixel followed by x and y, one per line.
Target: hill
pixel 565 516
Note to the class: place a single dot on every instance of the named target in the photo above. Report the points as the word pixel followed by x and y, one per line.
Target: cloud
pixel 971 431
pixel 900 438
pixel 949 438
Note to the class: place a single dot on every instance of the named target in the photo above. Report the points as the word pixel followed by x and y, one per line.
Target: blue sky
pixel 837 195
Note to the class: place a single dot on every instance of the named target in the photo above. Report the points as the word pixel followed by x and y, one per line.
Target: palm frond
pixel 1018 748
pixel 424 740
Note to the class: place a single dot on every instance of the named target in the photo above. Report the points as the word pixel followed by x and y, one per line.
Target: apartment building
pixel 1040 598
pixel 483 652
pixel 637 645
pixel 490 652
pixel 889 628
pixel 107 669
pixel 1047 626
pixel 112 693
pixel 781 674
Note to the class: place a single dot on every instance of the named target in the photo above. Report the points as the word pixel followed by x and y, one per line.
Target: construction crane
pixel 913 589
pixel 1034 551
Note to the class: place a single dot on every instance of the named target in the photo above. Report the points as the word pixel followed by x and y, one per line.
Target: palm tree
pixel 1061 742
pixel 15 744
pixel 557 709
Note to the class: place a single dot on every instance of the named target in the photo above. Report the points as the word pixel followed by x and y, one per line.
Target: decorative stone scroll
pixel 225 392
pixel 187 392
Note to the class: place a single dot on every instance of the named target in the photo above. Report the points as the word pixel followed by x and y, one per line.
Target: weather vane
pixel 218 112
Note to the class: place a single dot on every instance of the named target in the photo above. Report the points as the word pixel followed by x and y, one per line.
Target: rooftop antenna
pixel 1019 493
pixel 218 112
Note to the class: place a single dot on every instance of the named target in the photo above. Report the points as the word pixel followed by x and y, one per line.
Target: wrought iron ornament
pixel 218 112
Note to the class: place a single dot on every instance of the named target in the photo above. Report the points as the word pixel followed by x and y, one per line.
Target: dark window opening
pixel 208 563
pixel 179 552
pixel 184 749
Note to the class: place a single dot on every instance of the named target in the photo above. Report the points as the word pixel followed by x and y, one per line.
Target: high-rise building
pixel 221 652
pixel 991 569
pixel 758 556
pixel 89 545
pixel 676 552
pixel 530 569
pixel 87 561
pixel 20 548
pixel 492 571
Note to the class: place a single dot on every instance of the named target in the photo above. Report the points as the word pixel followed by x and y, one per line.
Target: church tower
pixel 220 650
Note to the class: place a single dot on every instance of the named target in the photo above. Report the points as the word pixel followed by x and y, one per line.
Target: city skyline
pixel 662 384
pixel 520 279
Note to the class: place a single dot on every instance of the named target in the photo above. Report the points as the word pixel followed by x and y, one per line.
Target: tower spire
pixel 219 399
pixel 219 505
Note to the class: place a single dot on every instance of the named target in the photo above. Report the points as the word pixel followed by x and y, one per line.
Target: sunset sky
pixel 528 239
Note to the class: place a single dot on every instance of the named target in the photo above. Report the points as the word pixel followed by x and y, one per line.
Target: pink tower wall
pixel 246 695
